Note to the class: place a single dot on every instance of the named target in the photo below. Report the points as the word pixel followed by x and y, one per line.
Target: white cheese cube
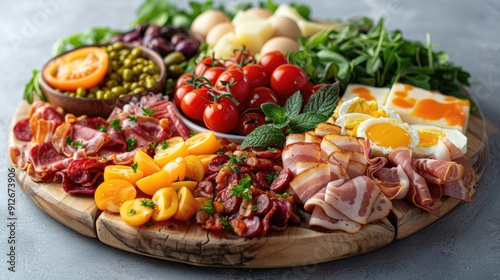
pixel 253 34
pixel 226 46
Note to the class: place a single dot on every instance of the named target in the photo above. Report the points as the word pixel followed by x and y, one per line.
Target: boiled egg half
pixel 363 106
pixel 386 134
pixel 429 136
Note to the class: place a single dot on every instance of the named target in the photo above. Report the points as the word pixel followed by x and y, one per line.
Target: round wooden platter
pixel 189 243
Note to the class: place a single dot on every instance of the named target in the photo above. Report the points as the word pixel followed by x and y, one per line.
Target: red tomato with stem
pixel 256 75
pixel 194 102
pixel 271 61
pixel 287 79
pixel 240 57
pixel 180 92
pixel 261 95
pixel 212 74
pixel 248 122
pixel 234 82
pixel 182 80
pixel 205 64
pixel 221 116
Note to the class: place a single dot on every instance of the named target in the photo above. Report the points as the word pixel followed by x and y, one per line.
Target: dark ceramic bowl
pixel 103 107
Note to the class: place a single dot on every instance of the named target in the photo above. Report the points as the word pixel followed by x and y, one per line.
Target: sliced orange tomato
pixel 166 201
pixel 150 184
pixel 122 172
pixel 202 143
pixel 187 205
pixel 145 163
pixel 191 185
pixel 195 170
pixel 110 194
pixel 176 148
pixel 84 67
pixel 176 168
pixel 136 212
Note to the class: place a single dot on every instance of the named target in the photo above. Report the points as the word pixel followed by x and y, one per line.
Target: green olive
pixel 118 90
pixel 91 95
pixel 174 58
pixel 136 52
pixel 99 94
pixel 117 46
pixel 111 83
pixel 127 75
pixel 138 90
pixel 175 71
pixel 134 85
pixel 108 95
pixel 81 92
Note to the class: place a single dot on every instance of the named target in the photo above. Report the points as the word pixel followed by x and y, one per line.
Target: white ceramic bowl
pixel 199 128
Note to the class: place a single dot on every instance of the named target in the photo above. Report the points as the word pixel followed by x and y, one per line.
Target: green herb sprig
pixel 293 118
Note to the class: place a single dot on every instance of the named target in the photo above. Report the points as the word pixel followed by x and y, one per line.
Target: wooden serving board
pixel 189 243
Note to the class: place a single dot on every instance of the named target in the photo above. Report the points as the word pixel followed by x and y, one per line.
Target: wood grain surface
pixel 189 243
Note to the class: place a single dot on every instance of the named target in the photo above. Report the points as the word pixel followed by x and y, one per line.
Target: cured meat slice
pixel 393 182
pixel 380 209
pixel 320 219
pixel 44 161
pixel 22 130
pixel 294 138
pixel 354 198
pixel 309 182
pixel 328 148
pixel 445 171
pixel 324 129
pixel 346 142
pixel 309 137
pixel 300 152
pixel 469 178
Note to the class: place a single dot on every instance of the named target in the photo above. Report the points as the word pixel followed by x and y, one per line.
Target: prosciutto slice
pixel 444 171
pixel 298 152
pixel 309 182
pixel 393 182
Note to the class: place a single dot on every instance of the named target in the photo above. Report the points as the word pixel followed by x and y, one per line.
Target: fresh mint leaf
pixel 324 101
pixel 275 113
pixel 264 136
pixel 293 105
pixel 33 87
pixel 305 122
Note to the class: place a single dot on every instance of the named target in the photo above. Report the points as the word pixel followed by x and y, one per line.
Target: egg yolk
pixel 367 107
pixel 388 135
pixel 364 93
pixel 429 137
pixel 431 109
pixel 351 124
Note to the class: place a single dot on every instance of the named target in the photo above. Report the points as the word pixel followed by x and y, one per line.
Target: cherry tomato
pixel 182 80
pixel 205 64
pixel 287 79
pixel 194 102
pixel 213 73
pixel 237 82
pixel 136 212
pixel 261 95
pixel 256 75
pixel 110 194
pixel 180 92
pixel 221 116
pixel 248 122
pixel 241 58
pixel 83 67
pixel 271 61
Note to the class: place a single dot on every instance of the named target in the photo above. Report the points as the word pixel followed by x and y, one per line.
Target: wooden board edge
pixel 296 246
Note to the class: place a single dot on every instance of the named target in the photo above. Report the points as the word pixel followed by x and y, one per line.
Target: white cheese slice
pixel 366 92
pixel 226 46
pixel 253 34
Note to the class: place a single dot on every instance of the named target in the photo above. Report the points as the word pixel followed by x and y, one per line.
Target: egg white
pixel 378 150
pixel 454 135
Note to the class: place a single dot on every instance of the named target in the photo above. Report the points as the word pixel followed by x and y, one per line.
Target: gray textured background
pixel 464 244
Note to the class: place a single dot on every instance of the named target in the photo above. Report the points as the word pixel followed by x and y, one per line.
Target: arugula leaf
pixel 33 87
pixel 264 135
pixel 91 36
pixel 324 101
pixel 293 104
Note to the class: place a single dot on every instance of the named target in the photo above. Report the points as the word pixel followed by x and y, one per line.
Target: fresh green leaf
pixel 152 145
pixel 272 176
pixel 33 87
pixel 306 121
pixel 133 118
pixel 264 136
pixel 242 189
pixel 116 124
pixel 207 207
pixel 293 104
pixel 164 144
pixel 101 128
pixel 134 166
pixel 148 203
pixel 147 112
pixel 226 225
pixel 131 142
pixel 274 113
pixel 324 101
pixel 91 36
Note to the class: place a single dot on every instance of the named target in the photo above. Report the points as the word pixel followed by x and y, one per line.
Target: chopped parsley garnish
pixel 101 128
pixel 164 144
pixel 272 176
pixel 272 150
pixel 254 208
pixel 282 195
pixel 234 159
pixel 152 145
pixel 207 207
pixel 225 224
pixel 147 112
pixel 301 214
pixel 133 118
pixel 132 212
pixel 148 203
pixel 131 144
pixel 192 133
pixel 220 151
pixel 134 166
pixel 116 124
pixel 71 142
pixel 231 167
pixel 242 189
